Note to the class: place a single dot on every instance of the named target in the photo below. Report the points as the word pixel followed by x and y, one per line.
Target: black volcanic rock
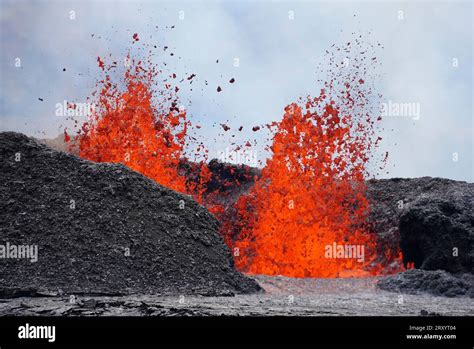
pixel 227 180
pixel 226 184
pixel 437 232
pixel 85 217
pixel 428 218
pixel 438 283
pixel 424 217
pixel 231 178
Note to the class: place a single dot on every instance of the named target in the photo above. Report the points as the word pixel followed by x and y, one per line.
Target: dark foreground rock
pixel 103 229
pixel 431 219
pixel 282 297
pixel 437 282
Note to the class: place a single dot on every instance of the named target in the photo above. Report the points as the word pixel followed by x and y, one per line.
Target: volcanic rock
pixel 432 220
pixel 438 232
pixel 438 283
pixel 228 180
pixel 104 229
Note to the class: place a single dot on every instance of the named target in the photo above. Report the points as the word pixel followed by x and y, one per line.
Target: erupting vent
pixel 127 127
pixel 306 216
pixel 309 202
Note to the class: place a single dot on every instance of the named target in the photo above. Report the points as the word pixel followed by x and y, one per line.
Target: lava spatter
pixel 127 127
pixel 311 192
pixel 310 199
pixel 310 195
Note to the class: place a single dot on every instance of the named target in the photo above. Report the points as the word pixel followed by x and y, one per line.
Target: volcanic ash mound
pixel 102 228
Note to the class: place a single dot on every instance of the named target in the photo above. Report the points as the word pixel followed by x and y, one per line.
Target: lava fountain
pixel 309 199
pixel 306 216
pixel 129 127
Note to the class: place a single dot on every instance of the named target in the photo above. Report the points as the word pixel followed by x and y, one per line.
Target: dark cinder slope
pixel 436 282
pixel 85 217
pixel 432 220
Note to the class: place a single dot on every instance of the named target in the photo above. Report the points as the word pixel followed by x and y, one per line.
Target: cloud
pixel 278 60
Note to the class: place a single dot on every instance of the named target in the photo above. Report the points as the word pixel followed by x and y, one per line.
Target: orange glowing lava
pixel 128 128
pixel 306 211
pixel 307 215
pixel 310 197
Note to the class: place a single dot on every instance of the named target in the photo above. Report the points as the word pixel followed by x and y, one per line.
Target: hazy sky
pixel 427 60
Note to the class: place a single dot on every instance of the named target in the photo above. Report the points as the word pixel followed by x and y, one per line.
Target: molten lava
pixel 310 196
pixel 310 199
pixel 307 215
pixel 128 128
